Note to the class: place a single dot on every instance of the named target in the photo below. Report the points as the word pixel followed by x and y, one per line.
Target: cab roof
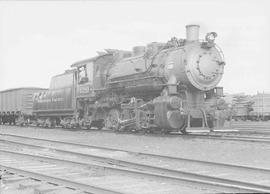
pixel 82 62
pixel 100 54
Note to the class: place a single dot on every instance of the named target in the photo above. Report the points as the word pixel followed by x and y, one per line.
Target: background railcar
pixel 17 101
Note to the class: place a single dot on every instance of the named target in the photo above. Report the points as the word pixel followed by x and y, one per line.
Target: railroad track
pixel 202 174
pixel 256 127
pixel 104 179
pixel 12 182
pixel 230 136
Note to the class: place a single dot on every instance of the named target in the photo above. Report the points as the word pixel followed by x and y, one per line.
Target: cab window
pixel 82 73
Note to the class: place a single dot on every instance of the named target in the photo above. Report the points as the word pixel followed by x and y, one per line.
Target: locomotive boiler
pixel 161 86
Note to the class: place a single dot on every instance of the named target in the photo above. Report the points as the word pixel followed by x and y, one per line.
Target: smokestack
pixel 192 32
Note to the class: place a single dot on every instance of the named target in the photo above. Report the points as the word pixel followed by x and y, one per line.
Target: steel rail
pixel 206 179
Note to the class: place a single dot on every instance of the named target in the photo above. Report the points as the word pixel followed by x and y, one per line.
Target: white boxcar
pixel 18 99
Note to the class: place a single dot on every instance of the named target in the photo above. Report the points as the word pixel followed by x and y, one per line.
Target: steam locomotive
pixel 162 86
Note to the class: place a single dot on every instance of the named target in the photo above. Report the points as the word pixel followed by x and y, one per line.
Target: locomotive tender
pixel 162 86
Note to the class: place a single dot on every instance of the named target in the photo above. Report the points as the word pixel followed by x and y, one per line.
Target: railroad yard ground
pixel 244 153
pixel 181 146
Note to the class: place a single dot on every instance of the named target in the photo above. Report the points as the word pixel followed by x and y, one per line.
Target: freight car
pixel 17 102
pixel 162 86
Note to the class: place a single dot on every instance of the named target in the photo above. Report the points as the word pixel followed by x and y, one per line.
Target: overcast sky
pixel 42 39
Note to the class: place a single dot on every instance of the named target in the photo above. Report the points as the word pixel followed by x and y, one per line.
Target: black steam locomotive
pixel 162 86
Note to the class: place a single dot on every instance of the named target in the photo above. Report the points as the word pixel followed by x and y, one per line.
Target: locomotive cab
pixel 90 82
pixel 84 78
